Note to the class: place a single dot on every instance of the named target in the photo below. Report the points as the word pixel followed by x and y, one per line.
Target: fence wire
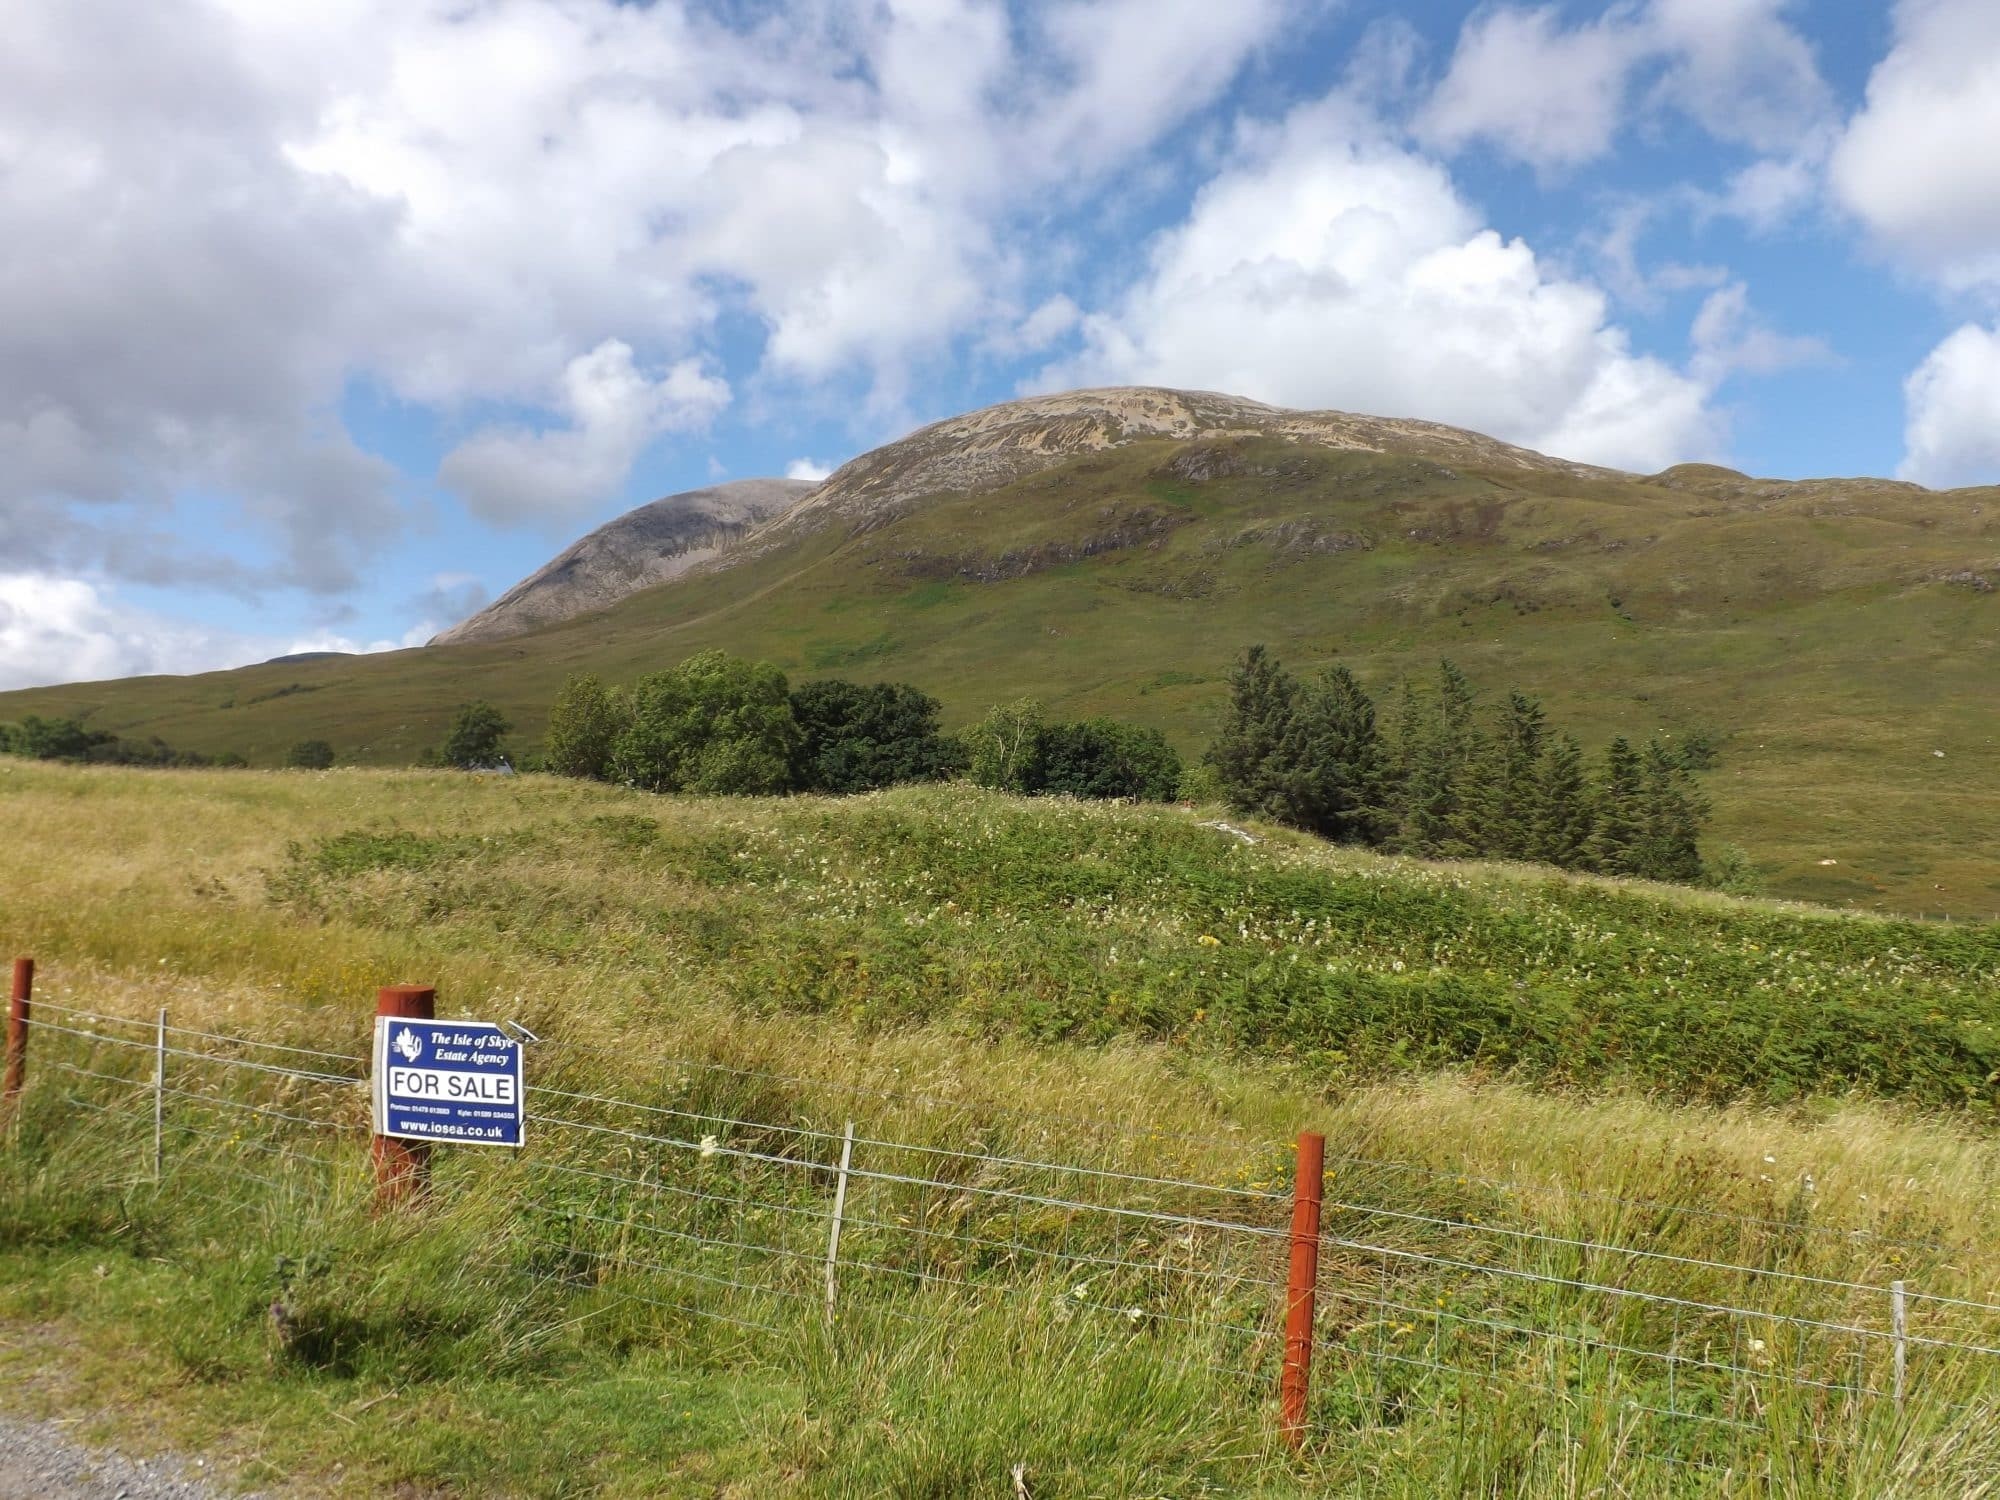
pixel 658 1202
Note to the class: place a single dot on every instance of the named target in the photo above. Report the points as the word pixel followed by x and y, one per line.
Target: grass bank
pixel 1720 1082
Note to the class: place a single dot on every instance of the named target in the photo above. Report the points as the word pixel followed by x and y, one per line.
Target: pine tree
pixel 1504 794
pixel 1249 754
pixel 1560 821
pixel 1333 770
pixel 1615 841
pixel 1441 750
pixel 1673 811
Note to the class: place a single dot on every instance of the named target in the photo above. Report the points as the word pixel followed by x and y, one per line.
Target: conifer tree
pixel 1332 769
pixel 1506 786
pixel 1615 841
pixel 1673 812
pixel 1560 822
pixel 1440 763
pixel 1249 754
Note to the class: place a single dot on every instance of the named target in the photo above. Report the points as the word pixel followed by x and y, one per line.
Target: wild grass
pixel 973 974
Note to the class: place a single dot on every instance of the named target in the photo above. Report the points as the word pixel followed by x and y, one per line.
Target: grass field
pixel 1716 1080
pixel 1832 636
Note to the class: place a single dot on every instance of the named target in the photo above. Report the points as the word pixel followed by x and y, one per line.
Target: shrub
pixel 715 724
pixel 855 738
pixel 1104 758
pixel 1003 749
pixel 310 755
pixel 475 737
pixel 584 722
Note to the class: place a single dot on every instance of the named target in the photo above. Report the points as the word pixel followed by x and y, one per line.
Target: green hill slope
pixel 1835 636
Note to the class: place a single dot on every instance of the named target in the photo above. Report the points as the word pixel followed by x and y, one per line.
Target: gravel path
pixel 41 1461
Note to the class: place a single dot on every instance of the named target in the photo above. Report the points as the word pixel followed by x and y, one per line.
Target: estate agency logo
pixel 409 1044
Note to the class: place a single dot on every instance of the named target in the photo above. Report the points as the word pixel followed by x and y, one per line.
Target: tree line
pixel 1450 782
pixel 36 738
pixel 718 724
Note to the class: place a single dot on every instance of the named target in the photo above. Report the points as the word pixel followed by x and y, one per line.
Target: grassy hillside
pixel 1709 1079
pixel 1836 636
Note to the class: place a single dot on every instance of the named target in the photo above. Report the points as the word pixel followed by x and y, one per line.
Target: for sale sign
pixel 447 1081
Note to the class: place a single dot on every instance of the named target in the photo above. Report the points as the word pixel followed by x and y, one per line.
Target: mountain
pixel 1114 551
pixel 643 547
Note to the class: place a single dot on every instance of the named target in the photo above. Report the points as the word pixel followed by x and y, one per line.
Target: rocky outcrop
pixel 643 547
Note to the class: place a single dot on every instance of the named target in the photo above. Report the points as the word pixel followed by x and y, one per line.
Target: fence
pixel 1400 1290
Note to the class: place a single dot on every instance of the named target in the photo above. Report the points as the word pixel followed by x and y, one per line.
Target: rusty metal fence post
pixel 1302 1288
pixel 402 1168
pixel 17 1034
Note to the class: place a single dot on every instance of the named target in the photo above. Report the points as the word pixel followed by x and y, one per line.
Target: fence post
pixel 402 1168
pixel 1302 1288
pixel 839 1212
pixel 17 1033
pixel 159 1092
pixel 1899 1327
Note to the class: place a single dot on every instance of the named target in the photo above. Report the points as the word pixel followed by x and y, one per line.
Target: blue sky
pixel 320 325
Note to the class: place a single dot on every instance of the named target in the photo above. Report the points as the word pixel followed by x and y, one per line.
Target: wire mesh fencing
pixel 779 1207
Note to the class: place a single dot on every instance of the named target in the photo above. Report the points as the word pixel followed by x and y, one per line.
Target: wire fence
pixel 1691 1324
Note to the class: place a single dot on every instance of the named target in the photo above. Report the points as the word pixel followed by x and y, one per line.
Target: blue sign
pixel 448 1081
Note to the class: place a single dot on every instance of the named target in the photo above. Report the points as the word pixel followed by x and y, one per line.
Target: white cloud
pixel 808 468
pixel 57 629
pixel 1917 164
pixel 1557 96
pixel 223 213
pixel 1729 338
pixel 1328 267
pixel 511 476
pixel 1952 402
pixel 1520 81
pixel 1740 71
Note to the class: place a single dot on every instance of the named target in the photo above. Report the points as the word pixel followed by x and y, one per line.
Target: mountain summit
pixel 650 545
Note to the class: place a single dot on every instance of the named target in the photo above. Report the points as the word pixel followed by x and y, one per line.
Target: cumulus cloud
pixel 511 476
pixel 1521 81
pixel 1327 266
pixel 58 629
pixel 1952 401
pixel 1556 96
pixel 1916 165
pixel 223 214
pixel 808 468
pixel 1730 338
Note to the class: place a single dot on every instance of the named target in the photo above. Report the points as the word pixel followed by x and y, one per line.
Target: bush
pixel 715 724
pixel 1104 758
pixel 1003 749
pixel 855 739
pixel 475 738
pixel 310 755
pixel 586 719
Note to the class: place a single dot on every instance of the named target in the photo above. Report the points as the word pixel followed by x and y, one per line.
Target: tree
pixel 474 740
pixel 310 755
pixel 1330 772
pixel 1560 822
pixel 1003 749
pixel 1620 813
pixel 1249 751
pixel 1673 811
pixel 1505 789
pixel 714 724
pixel 855 738
pixel 1441 755
pixel 1104 758
pixel 583 722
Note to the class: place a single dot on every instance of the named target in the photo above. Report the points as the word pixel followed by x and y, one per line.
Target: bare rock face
pixel 650 545
pixel 999 444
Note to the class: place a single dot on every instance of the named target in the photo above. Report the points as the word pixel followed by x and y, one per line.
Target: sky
pixel 321 325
